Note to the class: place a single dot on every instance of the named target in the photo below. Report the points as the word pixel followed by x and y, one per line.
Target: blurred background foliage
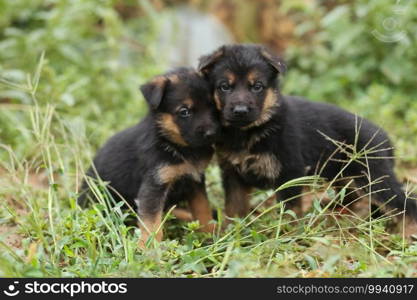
pixel 98 52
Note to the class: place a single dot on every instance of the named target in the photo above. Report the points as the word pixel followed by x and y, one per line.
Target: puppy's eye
pixel 257 87
pixel 184 112
pixel 225 87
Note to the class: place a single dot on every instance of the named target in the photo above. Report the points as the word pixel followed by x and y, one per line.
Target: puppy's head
pixel 182 105
pixel 244 80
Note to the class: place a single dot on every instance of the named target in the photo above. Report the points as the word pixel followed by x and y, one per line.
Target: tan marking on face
pixel 159 81
pixel 170 129
pixel 271 101
pixel 201 211
pixel 217 101
pixel 149 226
pixel 230 77
pixel 188 102
pixel 168 174
pixel 263 165
pixel 252 77
pixel 174 78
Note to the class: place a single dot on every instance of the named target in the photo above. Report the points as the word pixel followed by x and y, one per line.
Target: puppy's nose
pixel 240 110
pixel 209 134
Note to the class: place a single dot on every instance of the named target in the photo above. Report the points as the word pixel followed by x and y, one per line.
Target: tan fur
pixel 217 101
pixel 265 165
pixel 159 81
pixel 188 102
pixel 149 226
pixel 174 78
pixel 201 211
pixel 252 77
pixel 230 77
pixel 170 129
pixel 238 202
pixel 182 214
pixel 168 174
pixel 271 101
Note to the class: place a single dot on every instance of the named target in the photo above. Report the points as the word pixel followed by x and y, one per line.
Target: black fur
pixel 131 160
pixel 289 137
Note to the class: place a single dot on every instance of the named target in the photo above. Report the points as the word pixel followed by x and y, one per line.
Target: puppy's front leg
pixel 150 204
pixel 200 207
pixel 237 195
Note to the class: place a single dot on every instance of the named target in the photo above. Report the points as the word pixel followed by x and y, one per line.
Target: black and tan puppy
pixel 268 139
pixel 162 159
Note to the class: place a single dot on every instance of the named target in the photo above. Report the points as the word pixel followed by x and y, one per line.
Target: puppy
pixel 269 139
pixel 162 159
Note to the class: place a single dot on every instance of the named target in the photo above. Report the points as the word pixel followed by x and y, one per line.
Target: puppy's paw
pixel 208 228
pixel 143 240
pixel 183 214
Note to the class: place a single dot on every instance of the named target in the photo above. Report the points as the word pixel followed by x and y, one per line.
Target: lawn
pixel 69 78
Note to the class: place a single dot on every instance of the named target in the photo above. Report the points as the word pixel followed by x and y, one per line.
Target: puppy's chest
pixel 170 173
pixel 263 165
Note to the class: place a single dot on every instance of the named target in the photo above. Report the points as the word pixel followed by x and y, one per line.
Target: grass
pixel 68 83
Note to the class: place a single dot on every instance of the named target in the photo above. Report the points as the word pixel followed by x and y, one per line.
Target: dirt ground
pixel 10 235
pixel 9 232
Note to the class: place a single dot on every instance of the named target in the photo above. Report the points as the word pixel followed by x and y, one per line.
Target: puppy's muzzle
pixel 240 111
pixel 209 134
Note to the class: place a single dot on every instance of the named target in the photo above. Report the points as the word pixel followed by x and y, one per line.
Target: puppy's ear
pixel 274 60
pixel 207 61
pixel 154 90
